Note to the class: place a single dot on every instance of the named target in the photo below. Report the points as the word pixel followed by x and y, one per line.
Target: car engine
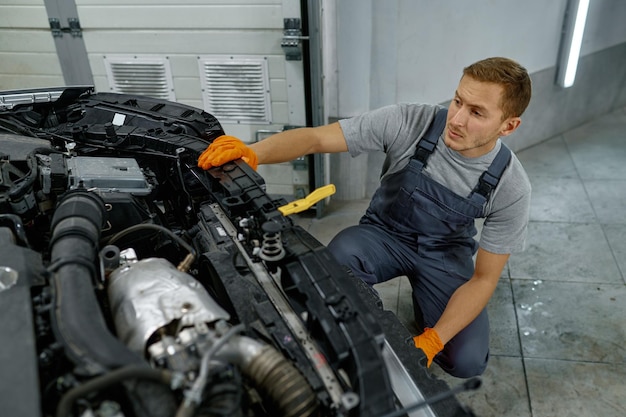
pixel 133 283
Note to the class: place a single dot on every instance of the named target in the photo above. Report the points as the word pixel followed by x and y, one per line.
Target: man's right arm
pixel 294 143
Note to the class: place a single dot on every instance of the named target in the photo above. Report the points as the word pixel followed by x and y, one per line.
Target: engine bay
pixel 133 283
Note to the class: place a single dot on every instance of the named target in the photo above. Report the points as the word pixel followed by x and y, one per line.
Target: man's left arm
pixel 504 229
pixel 472 297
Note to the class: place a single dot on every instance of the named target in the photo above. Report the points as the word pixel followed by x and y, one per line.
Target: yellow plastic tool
pixel 306 202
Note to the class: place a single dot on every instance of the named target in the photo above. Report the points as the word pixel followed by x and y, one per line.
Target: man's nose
pixel 459 118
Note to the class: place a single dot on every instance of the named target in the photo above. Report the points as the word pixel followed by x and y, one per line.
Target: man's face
pixel 475 120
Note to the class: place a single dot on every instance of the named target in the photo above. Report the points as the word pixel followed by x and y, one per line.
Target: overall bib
pixel 416 227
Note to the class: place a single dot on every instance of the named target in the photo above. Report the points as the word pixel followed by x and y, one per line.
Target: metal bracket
pixel 292 35
pixel 55 27
pixel 73 28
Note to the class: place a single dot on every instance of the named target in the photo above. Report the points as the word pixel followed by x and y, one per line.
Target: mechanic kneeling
pixel 443 169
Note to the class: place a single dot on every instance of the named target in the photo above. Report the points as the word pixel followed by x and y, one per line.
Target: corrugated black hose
pixel 77 320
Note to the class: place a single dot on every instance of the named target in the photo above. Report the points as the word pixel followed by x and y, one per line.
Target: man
pixel 420 222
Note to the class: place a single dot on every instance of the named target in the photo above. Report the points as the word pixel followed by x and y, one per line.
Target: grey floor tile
pixel 388 293
pixel 503 392
pixel 405 306
pixel 572 321
pixel 504 335
pixel 608 198
pixel 356 207
pixel 565 252
pixel 597 148
pixel 396 297
pixel 560 200
pixel 548 159
pixel 562 388
pixel 338 216
pixel 616 235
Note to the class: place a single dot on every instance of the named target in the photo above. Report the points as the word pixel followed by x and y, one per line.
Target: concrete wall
pixel 600 88
pixel 414 50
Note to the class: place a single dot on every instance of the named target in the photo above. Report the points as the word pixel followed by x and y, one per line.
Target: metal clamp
pixel 73 28
pixel 292 37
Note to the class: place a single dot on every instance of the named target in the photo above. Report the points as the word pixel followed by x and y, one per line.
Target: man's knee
pixel 345 243
pixel 465 366
pixel 466 355
pixel 348 250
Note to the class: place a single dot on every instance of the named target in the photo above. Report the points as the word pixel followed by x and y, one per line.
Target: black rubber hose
pixel 15 222
pixel 156 227
pixel 182 266
pixel 77 320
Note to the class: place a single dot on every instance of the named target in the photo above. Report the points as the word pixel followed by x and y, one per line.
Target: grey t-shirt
pixel 396 129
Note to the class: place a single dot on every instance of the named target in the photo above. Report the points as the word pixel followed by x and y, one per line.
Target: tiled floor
pixel 558 316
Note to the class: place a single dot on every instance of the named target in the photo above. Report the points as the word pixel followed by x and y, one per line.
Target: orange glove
pixel 225 149
pixel 430 343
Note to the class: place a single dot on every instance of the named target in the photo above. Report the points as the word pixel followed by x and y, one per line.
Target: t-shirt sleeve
pixel 505 227
pixel 372 131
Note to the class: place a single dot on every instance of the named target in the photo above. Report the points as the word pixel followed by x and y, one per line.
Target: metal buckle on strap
pixel 422 154
pixel 486 184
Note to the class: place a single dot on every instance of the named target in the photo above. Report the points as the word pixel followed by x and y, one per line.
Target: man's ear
pixel 510 125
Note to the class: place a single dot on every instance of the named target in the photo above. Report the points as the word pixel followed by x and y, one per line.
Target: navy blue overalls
pixel 416 227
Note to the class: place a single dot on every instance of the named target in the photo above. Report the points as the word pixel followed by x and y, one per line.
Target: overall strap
pixel 489 179
pixel 428 142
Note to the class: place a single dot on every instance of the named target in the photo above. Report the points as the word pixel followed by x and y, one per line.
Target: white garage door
pixel 227 57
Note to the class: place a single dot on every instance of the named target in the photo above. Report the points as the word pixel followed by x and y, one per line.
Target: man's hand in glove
pixel 429 342
pixel 225 149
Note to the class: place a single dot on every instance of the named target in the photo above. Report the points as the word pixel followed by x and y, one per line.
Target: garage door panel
pixel 21 81
pixel 187 17
pixel 192 42
pixel 30 63
pixel 14 40
pixel 19 16
pixel 276 66
pixel 169 2
pixel 187 88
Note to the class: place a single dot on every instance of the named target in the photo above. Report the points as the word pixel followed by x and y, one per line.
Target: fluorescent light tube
pixel 571 42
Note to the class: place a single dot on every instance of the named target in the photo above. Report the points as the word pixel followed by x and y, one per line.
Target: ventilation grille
pixel 148 76
pixel 236 90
